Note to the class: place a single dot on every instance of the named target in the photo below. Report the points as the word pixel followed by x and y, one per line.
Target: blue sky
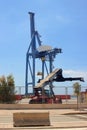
pixel 61 23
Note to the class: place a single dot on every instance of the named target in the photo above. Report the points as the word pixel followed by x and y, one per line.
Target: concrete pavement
pixel 59 118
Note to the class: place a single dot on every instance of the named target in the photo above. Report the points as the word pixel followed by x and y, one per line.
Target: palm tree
pixel 77 89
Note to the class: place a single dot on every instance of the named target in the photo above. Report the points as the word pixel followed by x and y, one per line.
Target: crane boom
pixel 59 78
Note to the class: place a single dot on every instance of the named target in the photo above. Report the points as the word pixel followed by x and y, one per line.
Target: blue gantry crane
pixel 37 50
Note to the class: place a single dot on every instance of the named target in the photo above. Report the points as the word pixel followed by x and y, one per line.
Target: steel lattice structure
pixel 33 54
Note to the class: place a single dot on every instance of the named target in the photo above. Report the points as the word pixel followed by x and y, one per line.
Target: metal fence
pixel 61 90
pixel 58 90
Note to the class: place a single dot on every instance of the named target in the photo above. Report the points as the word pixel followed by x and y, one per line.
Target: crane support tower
pixel 36 50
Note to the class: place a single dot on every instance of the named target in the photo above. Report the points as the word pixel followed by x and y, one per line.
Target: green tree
pixel 77 89
pixel 7 89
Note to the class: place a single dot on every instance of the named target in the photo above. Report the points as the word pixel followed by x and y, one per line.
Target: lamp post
pixel 66 92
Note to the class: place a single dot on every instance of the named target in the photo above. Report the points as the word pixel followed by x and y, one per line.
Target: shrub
pixel 7 89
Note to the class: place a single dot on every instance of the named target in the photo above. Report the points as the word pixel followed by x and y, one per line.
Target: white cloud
pixel 73 73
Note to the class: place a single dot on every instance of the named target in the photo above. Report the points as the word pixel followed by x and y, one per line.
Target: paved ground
pixel 58 119
pixel 46 129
